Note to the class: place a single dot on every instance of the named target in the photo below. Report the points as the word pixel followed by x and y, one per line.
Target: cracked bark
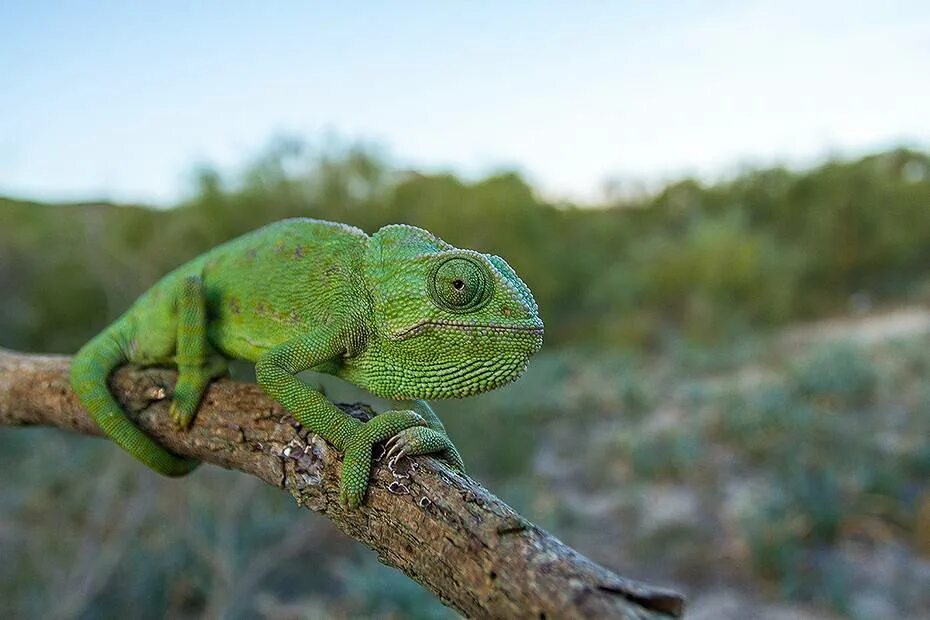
pixel 444 530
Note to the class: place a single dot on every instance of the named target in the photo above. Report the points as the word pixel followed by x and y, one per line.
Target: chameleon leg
pixel 192 356
pixel 275 373
pixel 89 371
pixel 423 408
pixel 425 440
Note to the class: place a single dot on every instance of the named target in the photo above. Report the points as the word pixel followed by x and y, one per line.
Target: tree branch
pixel 442 529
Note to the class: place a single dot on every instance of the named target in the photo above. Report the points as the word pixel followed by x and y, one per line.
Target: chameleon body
pixel 400 313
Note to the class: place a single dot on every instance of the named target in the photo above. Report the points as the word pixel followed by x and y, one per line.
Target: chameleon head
pixel 449 322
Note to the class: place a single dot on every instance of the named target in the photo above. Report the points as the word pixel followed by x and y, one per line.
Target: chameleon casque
pixel 400 313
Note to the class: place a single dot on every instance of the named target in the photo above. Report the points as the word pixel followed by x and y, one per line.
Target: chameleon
pixel 400 313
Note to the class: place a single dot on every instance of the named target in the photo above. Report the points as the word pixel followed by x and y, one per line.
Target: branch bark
pixel 442 529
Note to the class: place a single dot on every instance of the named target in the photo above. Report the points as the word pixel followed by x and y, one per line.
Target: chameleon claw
pixel 347 500
pixel 420 440
pixel 398 447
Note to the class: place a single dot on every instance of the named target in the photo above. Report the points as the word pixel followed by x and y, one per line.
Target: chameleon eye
pixel 460 284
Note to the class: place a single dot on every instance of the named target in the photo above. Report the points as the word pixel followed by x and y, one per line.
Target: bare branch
pixel 442 529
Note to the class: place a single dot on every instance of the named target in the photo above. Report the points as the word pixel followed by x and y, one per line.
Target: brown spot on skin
pixel 234 305
pixel 298 252
pixel 261 308
pixel 506 311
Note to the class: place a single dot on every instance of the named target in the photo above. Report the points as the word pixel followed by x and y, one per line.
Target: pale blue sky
pixel 121 100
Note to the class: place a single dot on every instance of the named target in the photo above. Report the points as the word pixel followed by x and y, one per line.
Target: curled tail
pixel 89 372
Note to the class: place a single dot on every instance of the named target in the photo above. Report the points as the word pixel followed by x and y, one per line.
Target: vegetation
pixel 694 261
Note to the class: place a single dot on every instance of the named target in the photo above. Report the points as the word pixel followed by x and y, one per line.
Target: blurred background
pixel 723 210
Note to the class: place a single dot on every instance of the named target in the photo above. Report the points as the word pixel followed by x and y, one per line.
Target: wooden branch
pixel 442 529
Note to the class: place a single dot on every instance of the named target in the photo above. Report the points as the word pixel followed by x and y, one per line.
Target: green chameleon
pixel 401 313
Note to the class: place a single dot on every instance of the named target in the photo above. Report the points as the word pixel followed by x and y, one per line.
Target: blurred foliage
pixel 694 261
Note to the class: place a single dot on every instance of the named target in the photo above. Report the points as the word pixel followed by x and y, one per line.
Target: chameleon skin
pixel 400 313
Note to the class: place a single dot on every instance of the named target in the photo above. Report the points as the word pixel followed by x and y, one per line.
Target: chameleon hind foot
pixel 419 440
pixel 189 390
pixel 180 419
pixel 356 464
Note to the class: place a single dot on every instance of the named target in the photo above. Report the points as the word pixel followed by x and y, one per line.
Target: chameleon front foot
pixel 356 463
pixel 419 440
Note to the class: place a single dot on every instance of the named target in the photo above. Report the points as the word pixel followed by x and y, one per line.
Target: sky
pixel 123 100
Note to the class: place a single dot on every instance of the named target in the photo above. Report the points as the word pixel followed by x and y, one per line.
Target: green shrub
pixel 840 373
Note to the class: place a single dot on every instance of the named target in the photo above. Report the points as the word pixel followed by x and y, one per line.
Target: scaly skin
pixel 400 313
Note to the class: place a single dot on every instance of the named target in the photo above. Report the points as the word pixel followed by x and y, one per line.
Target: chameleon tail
pixel 89 372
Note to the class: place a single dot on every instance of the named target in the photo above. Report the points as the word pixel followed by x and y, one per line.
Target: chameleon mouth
pixel 490 328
